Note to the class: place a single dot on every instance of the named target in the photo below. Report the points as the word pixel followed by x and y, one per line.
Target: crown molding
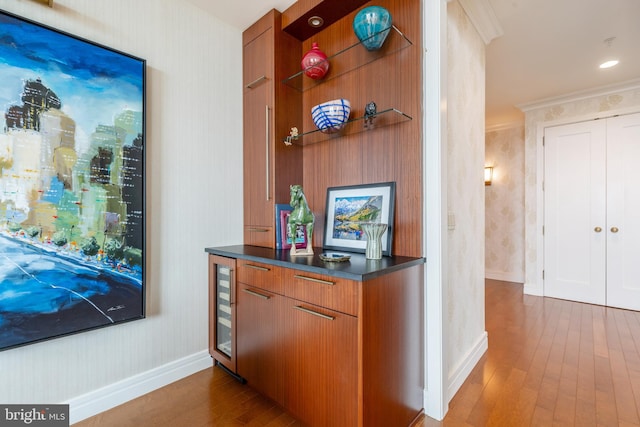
pixel 504 126
pixel 483 17
pixel 580 95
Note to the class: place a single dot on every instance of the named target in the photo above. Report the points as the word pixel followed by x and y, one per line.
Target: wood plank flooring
pixel 550 363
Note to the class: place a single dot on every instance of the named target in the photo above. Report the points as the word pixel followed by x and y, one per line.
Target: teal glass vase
pixel 372 25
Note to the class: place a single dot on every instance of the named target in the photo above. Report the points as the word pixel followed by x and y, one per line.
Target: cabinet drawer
pixel 259 275
pixel 325 291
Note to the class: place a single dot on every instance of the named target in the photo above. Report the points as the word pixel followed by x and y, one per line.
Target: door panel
pixel 574 197
pixel 623 211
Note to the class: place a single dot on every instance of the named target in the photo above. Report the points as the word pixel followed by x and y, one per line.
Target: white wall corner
pixel 108 397
pixel 483 17
pixel 462 371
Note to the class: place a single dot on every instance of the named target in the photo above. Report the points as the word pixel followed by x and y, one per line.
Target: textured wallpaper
pixel 623 100
pixel 504 208
pixel 465 185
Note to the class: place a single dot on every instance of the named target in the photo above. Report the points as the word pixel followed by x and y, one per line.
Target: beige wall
pixel 504 204
pixel 465 189
pixel 193 154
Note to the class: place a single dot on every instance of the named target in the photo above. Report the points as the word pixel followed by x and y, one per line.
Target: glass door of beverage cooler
pixel 224 314
pixel 222 311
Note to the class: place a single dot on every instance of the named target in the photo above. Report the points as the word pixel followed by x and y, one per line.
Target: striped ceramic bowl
pixel 330 116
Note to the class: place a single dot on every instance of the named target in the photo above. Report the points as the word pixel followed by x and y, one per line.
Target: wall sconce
pixel 488 175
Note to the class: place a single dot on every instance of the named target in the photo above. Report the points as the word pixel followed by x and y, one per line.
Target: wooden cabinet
pixel 321 365
pixel 259 349
pixel 259 311
pixel 222 311
pixel 268 105
pixel 334 345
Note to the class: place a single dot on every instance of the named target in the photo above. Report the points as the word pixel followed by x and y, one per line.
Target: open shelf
pixel 351 58
pixel 383 118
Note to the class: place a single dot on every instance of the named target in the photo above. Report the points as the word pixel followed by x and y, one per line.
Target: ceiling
pixel 552 48
pixel 549 48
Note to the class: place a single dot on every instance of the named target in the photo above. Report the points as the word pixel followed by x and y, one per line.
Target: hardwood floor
pixel 550 363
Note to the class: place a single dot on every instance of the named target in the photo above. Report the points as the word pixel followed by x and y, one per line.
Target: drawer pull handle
pixel 256 267
pixel 258 229
pixel 255 82
pixel 315 313
pixel 255 294
pixel 312 279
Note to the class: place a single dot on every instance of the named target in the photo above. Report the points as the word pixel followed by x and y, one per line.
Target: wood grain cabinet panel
pixel 260 275
pixel 323 290
pixel 268 108
pixel 321 364
pixel 259 350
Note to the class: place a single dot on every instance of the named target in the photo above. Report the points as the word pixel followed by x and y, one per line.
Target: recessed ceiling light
pixel 609 64
pixel 315 21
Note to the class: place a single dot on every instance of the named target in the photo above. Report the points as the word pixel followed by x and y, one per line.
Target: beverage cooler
pixel 222 323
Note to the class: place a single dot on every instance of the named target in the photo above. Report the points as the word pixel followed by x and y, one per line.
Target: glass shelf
pixel 383 118
pixel 351 59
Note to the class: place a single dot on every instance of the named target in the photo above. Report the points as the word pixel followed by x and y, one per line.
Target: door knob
pixel 614 229
pixel 597 229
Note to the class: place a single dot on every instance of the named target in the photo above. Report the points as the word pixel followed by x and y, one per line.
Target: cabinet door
pixel 320 347
pixel 222 310
pixel 257 126
pixel 259 360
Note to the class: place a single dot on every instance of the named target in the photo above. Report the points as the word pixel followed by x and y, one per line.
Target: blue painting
pixel 71 184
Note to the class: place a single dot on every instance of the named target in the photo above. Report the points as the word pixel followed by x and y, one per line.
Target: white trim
pixel 580 95
pixel 434 238
pixel 504 126
pixel 484 19
pixel 464 368
pixel 504 276
pixel 105 398
pixel 534 290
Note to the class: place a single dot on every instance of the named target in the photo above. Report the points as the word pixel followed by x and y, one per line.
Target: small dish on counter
pixel 334 257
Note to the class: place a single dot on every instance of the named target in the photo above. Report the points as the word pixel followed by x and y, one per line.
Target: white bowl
pixel 331 116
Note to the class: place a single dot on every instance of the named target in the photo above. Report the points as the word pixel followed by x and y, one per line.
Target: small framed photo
pixel 348 207
pixel 283 238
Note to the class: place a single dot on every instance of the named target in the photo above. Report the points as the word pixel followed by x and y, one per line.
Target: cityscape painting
pixel 72 193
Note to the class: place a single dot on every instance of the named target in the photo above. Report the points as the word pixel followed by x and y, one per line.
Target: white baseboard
pixel 464 368
pixel 108 397
pixel 533 290
pixel 504 276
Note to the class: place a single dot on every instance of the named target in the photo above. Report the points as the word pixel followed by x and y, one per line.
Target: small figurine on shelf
pixel 293 135
pixel 370 111
pixel 300 215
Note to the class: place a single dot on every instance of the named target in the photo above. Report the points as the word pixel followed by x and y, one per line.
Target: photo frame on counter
pixel 349 206
pixel 73 225
pixel 283 239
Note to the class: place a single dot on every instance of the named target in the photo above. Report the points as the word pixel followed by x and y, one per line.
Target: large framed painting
pixel 72 191
pixel 347 208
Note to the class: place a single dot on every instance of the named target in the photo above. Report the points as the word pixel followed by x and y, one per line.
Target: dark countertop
pixel 357 268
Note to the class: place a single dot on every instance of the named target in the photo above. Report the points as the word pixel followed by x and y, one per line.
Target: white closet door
pixel 575 212
pixel 623 212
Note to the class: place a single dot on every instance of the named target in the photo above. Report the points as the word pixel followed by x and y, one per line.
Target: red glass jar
pixel 314 63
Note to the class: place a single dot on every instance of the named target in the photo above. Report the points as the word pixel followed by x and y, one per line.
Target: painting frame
pixel 75 214
pixel 350 200
pixel 283 240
